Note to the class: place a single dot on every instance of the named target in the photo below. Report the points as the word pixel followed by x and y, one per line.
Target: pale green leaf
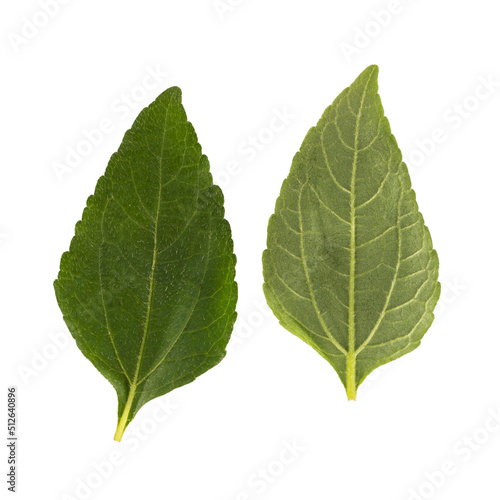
pixel 350 267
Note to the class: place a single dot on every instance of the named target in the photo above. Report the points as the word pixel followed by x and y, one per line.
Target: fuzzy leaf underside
pixel 350 267
pixel 147 288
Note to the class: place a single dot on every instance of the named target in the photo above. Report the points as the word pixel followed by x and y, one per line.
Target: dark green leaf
pixel 350 267
pixel 147 288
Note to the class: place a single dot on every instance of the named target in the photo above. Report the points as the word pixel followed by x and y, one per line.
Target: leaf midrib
pixel 122 422
pixel 351 354
pixel 153 263
pixel 136 382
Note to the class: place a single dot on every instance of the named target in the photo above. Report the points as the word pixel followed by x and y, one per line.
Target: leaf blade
pixel 334 267
pixel 147 288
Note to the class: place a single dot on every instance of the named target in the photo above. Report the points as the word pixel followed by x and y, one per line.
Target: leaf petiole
pixel 122 421
pixel 351 376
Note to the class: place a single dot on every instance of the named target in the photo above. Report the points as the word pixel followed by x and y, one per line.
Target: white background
pixel 237 67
